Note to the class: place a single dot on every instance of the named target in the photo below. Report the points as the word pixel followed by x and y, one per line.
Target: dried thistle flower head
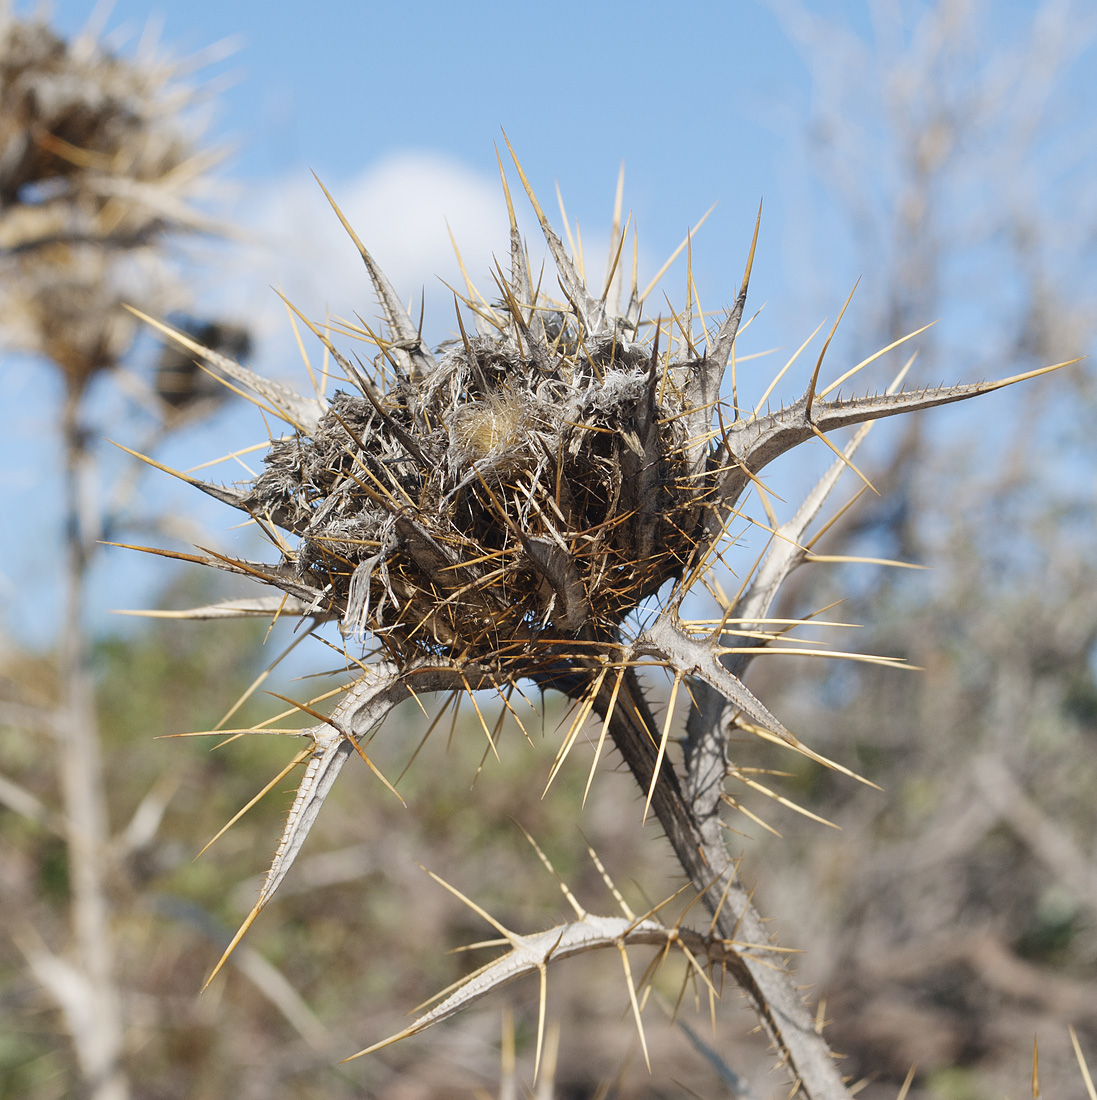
pixel 497 501
pixel 99 165
pixel 517 496
pixel 495 513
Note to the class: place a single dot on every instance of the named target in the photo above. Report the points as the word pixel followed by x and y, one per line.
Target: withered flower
pixel 495 514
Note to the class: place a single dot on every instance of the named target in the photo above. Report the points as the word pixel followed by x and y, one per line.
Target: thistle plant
pixel 529 507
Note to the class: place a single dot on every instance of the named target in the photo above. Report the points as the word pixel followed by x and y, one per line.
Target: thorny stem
pixel 690 819
pixel 97 1031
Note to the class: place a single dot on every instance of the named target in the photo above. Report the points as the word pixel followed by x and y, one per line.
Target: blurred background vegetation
pixel 952 918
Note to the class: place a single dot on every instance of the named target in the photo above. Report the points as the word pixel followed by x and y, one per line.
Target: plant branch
pixel 98 1038
pixel 697 842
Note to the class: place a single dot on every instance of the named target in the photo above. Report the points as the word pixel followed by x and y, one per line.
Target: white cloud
pixel 403 204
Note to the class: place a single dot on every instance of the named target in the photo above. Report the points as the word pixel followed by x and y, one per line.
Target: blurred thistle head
pixel 182 382
pixel 100 163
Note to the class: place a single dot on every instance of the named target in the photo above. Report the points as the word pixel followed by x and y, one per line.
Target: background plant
pixel 99 170
pixel 997 715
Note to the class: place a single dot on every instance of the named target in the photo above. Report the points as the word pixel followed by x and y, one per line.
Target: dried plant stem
pixel 692 825
pixel 93 1015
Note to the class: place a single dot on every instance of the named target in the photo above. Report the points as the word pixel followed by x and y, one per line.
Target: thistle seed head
pixel 513 493
pixel 503 426
pixel 497 511
pixel 507 502
pixel 99 163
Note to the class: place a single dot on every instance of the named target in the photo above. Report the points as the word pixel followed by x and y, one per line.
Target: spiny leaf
pixel 302 413
pixel 409 350
pixel 255 607
pixel 592 313
pixel 530 954
pixel 758 441
pixel 689 656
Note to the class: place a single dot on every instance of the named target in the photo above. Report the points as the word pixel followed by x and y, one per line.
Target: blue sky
pixel 578 86
pixel 398 107
pixel 699 106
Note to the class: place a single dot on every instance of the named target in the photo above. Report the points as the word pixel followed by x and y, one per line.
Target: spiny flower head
pixel 516 495
pixel 99 166
pixel 496 511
